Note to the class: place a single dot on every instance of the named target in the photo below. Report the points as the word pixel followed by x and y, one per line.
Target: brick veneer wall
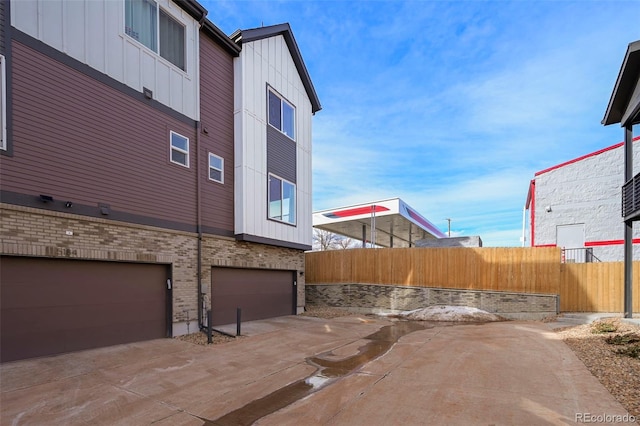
pixel 376 298
pixel 33 232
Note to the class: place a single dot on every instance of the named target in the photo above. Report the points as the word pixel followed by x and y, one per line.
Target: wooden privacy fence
pixel 583 287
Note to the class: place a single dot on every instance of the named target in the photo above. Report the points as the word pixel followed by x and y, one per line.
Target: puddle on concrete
pixel 328 371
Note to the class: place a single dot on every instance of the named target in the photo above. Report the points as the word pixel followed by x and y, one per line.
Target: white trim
pixel 180 150
pixel 3 105
pixel 221 170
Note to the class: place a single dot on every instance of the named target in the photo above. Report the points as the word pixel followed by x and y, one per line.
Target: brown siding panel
pixel 3 25
pixel 78 139
pixel 216 109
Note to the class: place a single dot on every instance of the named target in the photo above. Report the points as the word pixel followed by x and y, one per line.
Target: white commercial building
pixel 576 205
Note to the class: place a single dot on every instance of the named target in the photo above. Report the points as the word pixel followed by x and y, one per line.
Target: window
pixel 179 149
pixel 216 168
pixel 156 29
pixel 282 200
pixel 3 104
pixel 282 115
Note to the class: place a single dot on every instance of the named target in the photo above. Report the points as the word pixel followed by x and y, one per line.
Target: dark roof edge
pixel 612 116
pixel 221 38
pixel 199 13
pixel 247 36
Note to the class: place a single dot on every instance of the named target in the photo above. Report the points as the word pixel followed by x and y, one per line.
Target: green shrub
pixel 623 339
pixel 603 327
pixel 633 351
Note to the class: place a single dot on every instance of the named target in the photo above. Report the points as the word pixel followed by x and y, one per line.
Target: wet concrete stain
pixel 329 370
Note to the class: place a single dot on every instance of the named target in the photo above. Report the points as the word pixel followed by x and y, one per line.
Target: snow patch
pixel 450 313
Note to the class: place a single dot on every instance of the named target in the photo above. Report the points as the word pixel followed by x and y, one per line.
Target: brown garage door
pixel 259 293
pixel 51 306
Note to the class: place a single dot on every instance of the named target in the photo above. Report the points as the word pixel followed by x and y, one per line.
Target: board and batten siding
pixel 263 63
pixel 66 144
pixel 216 109
pixel 92 32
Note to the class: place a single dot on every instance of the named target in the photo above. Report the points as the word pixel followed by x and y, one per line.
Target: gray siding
pixel 216 111
pixel 77 139
pixel 281 155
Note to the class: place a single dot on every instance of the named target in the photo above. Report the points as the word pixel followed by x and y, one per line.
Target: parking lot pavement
pixel 301 370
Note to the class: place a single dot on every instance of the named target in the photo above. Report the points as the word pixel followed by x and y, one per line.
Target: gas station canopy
pixel 394 223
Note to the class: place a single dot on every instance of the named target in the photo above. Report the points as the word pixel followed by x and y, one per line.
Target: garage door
pixel 51 306
pixel 259 293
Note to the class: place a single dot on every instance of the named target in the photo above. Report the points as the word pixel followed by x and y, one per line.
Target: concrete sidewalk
pixel 498 373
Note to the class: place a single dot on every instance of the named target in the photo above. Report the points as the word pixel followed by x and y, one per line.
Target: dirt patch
pixel 201 338
pixel 617 371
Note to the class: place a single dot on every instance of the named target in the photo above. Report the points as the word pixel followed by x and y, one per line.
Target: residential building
pixel 152 168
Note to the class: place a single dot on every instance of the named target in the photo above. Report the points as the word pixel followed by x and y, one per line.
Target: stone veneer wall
pixel 27 231
pixel 376 298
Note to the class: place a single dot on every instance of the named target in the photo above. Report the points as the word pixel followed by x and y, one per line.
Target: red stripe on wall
pixel 609 243
pixel 593 154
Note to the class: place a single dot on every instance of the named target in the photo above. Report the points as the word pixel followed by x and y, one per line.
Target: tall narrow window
pixel 216 168
pixel 282 115
pixel 147 23
pixel 3 104
pixel 179 149
pixel 282 200
pixel 141 22
pixel 171 40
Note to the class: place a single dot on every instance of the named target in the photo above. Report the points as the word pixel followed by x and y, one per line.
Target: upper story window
pixel 282 115
pixel 3 104
pixel 216 168
pixel 179 149
pixel 282 200
pixel 150 25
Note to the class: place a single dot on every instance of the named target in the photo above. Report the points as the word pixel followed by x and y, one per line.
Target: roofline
pixel 575 160
pixel 612 115
pixel 369 203
pixel 221 38
pixel 254 34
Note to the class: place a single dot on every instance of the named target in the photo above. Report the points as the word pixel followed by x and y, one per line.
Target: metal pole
pixel 364 235
pixel 238 320
pixel 449 220
pixel 209 327
pixel 628 225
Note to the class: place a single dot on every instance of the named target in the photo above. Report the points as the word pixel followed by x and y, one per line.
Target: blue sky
pixel 451 105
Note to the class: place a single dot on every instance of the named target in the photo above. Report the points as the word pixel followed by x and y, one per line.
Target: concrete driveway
pixel 320 372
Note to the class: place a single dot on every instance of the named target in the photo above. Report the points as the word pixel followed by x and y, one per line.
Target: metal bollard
pixel 209 327
pixel 238 318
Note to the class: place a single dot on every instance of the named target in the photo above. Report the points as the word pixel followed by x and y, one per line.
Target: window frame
pixel 158 9
pixel 178 149
pixel 283 101
pixel 3 103
pixel 221 169
pixel 295 200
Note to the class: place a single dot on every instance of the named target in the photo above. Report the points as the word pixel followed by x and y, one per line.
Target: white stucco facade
pixel 583 194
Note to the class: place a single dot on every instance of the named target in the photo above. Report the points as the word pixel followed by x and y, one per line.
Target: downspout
pixel 199 229
pixel 198 200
